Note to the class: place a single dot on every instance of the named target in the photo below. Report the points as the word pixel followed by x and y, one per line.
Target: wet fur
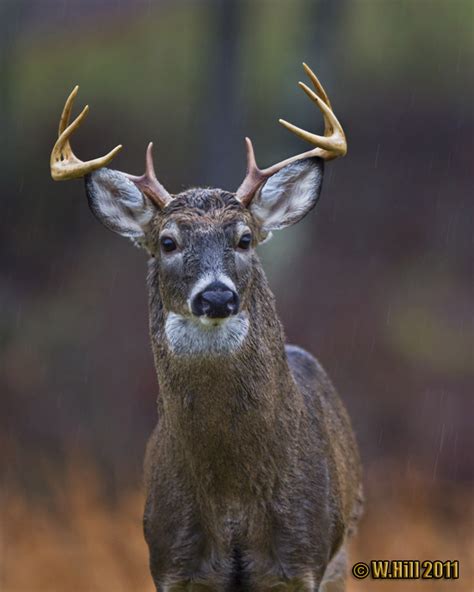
pixel 252 472
pixel 253 456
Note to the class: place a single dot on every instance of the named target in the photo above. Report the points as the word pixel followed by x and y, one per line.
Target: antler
pixel 328 147
pixel 64 163
pixel 149 184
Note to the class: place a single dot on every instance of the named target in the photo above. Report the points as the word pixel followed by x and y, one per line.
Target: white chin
pixel 188 335
pixel 208 322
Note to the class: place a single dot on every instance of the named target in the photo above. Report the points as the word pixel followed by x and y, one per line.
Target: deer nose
pixel 216 301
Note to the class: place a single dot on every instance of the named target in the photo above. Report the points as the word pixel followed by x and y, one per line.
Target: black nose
pixel 216 301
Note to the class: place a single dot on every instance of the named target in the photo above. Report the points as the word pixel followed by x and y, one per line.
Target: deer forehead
pixel 203 209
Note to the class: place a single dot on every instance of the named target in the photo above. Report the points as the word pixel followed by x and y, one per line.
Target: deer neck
pixel 234 408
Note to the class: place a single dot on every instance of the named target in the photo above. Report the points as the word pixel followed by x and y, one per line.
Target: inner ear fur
pixel 118 204
pixel 289 194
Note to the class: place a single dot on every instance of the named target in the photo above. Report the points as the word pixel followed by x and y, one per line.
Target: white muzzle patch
pixel 190 335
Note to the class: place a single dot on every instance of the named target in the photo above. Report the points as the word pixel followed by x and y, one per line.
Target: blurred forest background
pixel 377 282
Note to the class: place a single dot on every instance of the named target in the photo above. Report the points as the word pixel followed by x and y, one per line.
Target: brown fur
pixel 252 473
pixel 252 452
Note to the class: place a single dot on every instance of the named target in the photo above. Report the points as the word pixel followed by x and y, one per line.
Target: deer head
pixel 202 241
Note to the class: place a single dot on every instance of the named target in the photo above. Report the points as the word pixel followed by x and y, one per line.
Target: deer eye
pixel 168 244
pixel 245 241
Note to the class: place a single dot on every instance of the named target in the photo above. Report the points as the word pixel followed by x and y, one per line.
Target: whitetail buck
pixel 252 472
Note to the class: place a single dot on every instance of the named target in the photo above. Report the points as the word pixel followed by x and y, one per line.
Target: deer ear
pixel 289 194
pixel 118 204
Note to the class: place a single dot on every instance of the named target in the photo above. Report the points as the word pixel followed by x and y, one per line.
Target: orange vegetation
pixel 74 541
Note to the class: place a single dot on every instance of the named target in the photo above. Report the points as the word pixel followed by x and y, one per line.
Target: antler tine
pixel 149 184
pixel 333 141
pixel 328 147
pixel 66 114
pixel 253 179
pixel 64 163
pixel 317 85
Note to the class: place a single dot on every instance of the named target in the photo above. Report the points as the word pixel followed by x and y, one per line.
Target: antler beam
pixel 332 145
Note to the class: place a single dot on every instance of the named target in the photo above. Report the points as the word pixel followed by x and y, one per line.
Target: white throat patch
pixel 189 335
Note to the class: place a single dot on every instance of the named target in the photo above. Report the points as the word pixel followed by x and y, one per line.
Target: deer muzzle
pixel 216 301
